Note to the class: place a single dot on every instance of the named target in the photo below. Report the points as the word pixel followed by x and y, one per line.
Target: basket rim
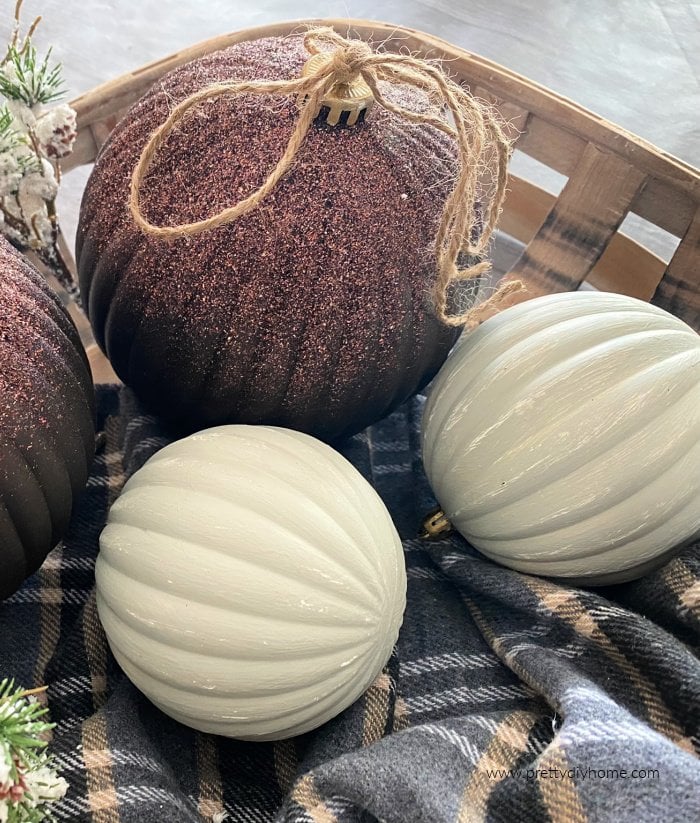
pixel 562 111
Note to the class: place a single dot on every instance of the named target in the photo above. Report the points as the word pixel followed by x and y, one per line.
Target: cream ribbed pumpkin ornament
pixel 562 437
pixel 250 582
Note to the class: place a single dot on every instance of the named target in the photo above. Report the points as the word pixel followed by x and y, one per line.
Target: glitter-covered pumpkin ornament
pixel 46 419
pixel 314 310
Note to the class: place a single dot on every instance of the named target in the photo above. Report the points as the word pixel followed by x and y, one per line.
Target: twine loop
pixel 472 207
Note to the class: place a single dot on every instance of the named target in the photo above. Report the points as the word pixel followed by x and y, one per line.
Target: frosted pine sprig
pixel 28 79
pixel 28 783
pixel 34 137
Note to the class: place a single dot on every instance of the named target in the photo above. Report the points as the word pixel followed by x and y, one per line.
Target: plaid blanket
pixel 507 698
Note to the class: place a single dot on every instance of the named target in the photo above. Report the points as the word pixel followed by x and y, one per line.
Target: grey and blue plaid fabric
pixel 508 698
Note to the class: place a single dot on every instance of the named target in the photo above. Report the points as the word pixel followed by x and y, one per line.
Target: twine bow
pixel 483 152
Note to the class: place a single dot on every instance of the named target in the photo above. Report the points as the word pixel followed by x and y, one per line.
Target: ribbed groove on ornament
pixel 29 513
pixel 25 281
pixel 298 723
pixel 360 502
pixel 51 470
pixel 673 509
pixel 212 648
pixel 75 441
pixel 340 464
pixel 107 276
pixel 65 359
pixel 14 556
pixel 190 395
pixel 68 443
pixel 295 373
pixel 26 286
pixel 293 362
pixel 606 502
pixel 608 560
pixel 159 662
pixel 325 526
pixel 208 386
pixel 405 351
pixel 208 599
pixel 522 356
pixel 40 307
pixel 573 460
pixel 261 435
pixel 523 359
pixel 113 320
pixel 199 707
pixel 267 527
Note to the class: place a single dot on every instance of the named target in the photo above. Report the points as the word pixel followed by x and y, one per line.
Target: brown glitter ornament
pixel 46 419
pixel 314 310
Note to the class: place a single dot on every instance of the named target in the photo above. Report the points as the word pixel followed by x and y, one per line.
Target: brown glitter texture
pixel 312 311
pixel 46 419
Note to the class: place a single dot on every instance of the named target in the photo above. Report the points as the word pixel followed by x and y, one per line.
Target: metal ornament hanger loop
pixel 346 103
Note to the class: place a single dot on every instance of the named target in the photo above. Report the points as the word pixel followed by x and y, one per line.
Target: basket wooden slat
pixel 581 222
pixel 555 147
pixel 666 205
pixel 625 266
pixel 679 291
pixel 572 238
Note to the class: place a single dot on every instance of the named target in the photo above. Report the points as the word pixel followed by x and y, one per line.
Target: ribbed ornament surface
pixel 311 312
pixel 562 437
pixel 47 434
pixel 250 581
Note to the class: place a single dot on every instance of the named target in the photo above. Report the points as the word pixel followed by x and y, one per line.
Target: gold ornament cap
pixel 346 103
pixel 435 524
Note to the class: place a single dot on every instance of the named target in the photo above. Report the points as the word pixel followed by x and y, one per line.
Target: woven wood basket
pixel 570 238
